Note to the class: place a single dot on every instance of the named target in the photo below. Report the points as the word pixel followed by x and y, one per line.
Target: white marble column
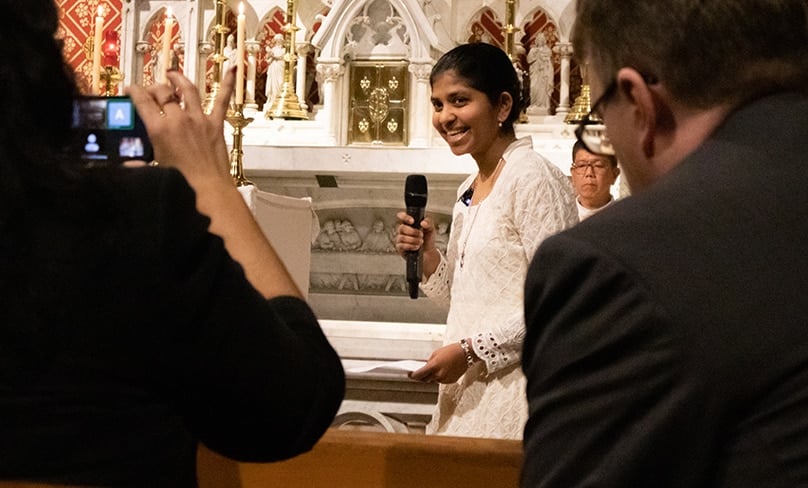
pixel 130 57
pixel 204 50
pixel 331 73
pixel 190 13
pixel 565 50
pixel 136 76
pixel 252 48
pixel 300 75
pixel 420 126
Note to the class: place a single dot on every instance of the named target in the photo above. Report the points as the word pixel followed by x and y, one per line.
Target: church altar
pixel 359 71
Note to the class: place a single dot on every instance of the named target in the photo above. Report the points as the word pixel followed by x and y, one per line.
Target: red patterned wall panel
pixel 77 23
pixel 487 29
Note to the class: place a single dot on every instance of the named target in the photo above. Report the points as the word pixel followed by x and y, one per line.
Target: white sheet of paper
pixel 405 366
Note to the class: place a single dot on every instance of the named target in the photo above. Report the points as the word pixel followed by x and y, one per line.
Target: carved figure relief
pixel 378 239
pixel 361 259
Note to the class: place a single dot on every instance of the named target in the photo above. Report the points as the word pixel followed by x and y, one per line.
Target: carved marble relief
pixel 355 252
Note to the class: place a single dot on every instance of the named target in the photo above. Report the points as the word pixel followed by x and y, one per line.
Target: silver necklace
pixel 495 174
pixel 468 233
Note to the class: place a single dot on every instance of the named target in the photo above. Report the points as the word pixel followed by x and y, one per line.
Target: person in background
pixel 144 311
pixel 503 211
pixel 592 176
pixel 666 336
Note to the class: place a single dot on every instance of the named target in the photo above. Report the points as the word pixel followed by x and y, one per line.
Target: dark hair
pixel 38 178
pixel 485 68
pixel 706 53
pixel 579 146
pixel 36 100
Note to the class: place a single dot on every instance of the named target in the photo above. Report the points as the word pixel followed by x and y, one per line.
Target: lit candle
pixel 240 55
pixel 96 73
pixel 165 56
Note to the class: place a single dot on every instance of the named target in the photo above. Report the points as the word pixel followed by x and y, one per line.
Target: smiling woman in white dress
pixel 503 212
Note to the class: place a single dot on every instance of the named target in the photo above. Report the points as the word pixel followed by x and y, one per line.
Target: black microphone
pixel 415 199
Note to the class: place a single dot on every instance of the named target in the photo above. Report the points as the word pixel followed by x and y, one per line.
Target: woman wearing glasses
pixel 503 212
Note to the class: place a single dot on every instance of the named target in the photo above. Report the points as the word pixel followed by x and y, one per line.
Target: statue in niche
pixel 442 236
pixel 275 66
pixel 541 75
pixel 155 64
pixel 378 239
pixel 230 53
pixel 328 239
pixel 478 34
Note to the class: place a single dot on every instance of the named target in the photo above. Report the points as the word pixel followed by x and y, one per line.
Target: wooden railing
pixel 358 459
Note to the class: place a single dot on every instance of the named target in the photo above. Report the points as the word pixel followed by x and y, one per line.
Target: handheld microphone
pixel 415 199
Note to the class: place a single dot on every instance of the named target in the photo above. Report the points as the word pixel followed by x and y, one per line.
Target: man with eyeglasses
pixel 592 176
pixel 667 336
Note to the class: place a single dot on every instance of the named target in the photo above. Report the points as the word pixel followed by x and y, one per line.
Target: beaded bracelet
pixel 464 344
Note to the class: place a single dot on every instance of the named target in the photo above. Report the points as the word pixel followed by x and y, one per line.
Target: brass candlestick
pixel 235 117
pixel 286 104
pixel 110 77
pixel 582 105
pixel 220 31
pixel 510 29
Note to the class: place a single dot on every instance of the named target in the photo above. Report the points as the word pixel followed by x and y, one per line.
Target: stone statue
pixel 541 75
pixel 230 53
pixel 154 65
pixel 478 34
pixel 378 239
pixel 328 239
pixel 275 66
pixel 348 235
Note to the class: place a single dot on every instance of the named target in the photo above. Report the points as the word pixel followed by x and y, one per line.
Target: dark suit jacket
pixel 132 333
pixel 667 336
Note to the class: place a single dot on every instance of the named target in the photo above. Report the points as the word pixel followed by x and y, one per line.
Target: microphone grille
pixel 415 191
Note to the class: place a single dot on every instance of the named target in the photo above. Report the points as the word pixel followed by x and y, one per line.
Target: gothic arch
pixel 483 26
pixel 330 39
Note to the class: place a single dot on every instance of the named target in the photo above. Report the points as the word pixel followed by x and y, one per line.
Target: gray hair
pixel 706 53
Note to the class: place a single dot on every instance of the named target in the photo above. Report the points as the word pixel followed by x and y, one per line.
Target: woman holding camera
pixel 144 310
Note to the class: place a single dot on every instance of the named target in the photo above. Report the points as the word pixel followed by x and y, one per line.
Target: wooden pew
pixel 361 459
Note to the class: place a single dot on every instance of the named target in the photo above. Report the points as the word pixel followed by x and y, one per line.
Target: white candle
pixel 98 34
pixel 165 56
pixel 240 55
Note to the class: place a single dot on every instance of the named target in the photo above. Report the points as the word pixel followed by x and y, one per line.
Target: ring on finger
pixel 173 98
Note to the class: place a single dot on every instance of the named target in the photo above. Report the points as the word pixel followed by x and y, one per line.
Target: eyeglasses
pixel 580 167
pixel 591 132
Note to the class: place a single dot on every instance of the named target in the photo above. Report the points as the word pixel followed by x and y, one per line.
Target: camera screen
pixel 109 131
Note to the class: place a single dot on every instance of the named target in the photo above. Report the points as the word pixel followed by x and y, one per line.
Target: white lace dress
pixel 531 200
